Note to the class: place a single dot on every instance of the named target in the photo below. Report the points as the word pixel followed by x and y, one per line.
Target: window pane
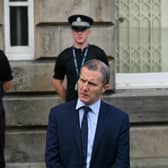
pixel 19 26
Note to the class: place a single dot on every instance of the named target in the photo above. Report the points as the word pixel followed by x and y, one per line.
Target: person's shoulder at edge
pixel 1 51
pixel 64 53
pixel 65 50
pixel 100 51
pixel 2 54
pixel 96 47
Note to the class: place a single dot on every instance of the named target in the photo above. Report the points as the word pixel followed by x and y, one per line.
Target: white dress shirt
pixel 92 124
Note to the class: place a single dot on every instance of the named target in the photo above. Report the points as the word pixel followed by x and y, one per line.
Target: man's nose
pixel 85 85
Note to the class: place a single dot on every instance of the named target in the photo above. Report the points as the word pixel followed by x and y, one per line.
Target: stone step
pixel 28 111
pixel 145 143
pixel 150 163
pixel 144 106
pixel 139 163
pixel 32 110
pixel 26 165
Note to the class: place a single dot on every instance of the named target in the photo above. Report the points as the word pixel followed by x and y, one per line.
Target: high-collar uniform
pixel 5 75
pixel 111 142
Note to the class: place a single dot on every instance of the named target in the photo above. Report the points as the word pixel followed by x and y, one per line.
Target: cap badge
pixel 78 19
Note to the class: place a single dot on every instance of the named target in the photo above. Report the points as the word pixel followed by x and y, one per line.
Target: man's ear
pixel 106 87
pixel 89 31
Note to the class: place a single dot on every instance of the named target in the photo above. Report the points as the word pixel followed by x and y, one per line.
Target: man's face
pixel 90 86
pixel 80 37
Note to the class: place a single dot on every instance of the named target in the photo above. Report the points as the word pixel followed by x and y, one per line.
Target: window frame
pixel 19 52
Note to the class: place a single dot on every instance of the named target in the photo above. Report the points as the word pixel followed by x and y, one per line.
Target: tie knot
pixel 86 109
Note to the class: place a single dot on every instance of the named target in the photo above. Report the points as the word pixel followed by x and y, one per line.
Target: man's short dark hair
pixel 97 65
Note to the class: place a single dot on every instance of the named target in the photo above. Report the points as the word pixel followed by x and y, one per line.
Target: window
pixel 19 29
pixel 141 51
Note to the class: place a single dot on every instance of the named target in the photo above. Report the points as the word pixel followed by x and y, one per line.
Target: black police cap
pixel 80 22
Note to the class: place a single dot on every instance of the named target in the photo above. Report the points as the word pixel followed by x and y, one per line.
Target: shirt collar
pixel 94 107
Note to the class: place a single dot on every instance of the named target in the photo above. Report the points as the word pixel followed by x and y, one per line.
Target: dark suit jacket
pixel 63 143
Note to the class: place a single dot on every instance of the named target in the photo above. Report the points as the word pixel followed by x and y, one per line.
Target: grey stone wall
pixel 50 11
pixel 51 39
pixel 32 76
pixel 1 22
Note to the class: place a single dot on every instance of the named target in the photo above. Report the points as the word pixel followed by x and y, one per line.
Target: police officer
pixel 70 60
pixel 5 84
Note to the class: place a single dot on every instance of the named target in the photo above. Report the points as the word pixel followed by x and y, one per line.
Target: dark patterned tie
pixel 84 132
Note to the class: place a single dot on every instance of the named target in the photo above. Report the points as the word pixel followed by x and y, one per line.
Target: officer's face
pixel 90 86
pixel 80 37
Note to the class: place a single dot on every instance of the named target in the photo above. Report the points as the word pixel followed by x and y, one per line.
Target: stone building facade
pixel 29 101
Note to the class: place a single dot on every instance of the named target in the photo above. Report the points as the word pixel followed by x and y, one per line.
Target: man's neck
pixel 81 46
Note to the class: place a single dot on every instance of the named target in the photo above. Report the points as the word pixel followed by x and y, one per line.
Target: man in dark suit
pixel 5 84
pixel 94 138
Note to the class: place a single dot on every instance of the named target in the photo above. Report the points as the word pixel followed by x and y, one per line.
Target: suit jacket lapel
pixel 76 128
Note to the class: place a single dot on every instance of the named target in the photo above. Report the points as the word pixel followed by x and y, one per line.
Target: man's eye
pixel 82 80
pixel 92 84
